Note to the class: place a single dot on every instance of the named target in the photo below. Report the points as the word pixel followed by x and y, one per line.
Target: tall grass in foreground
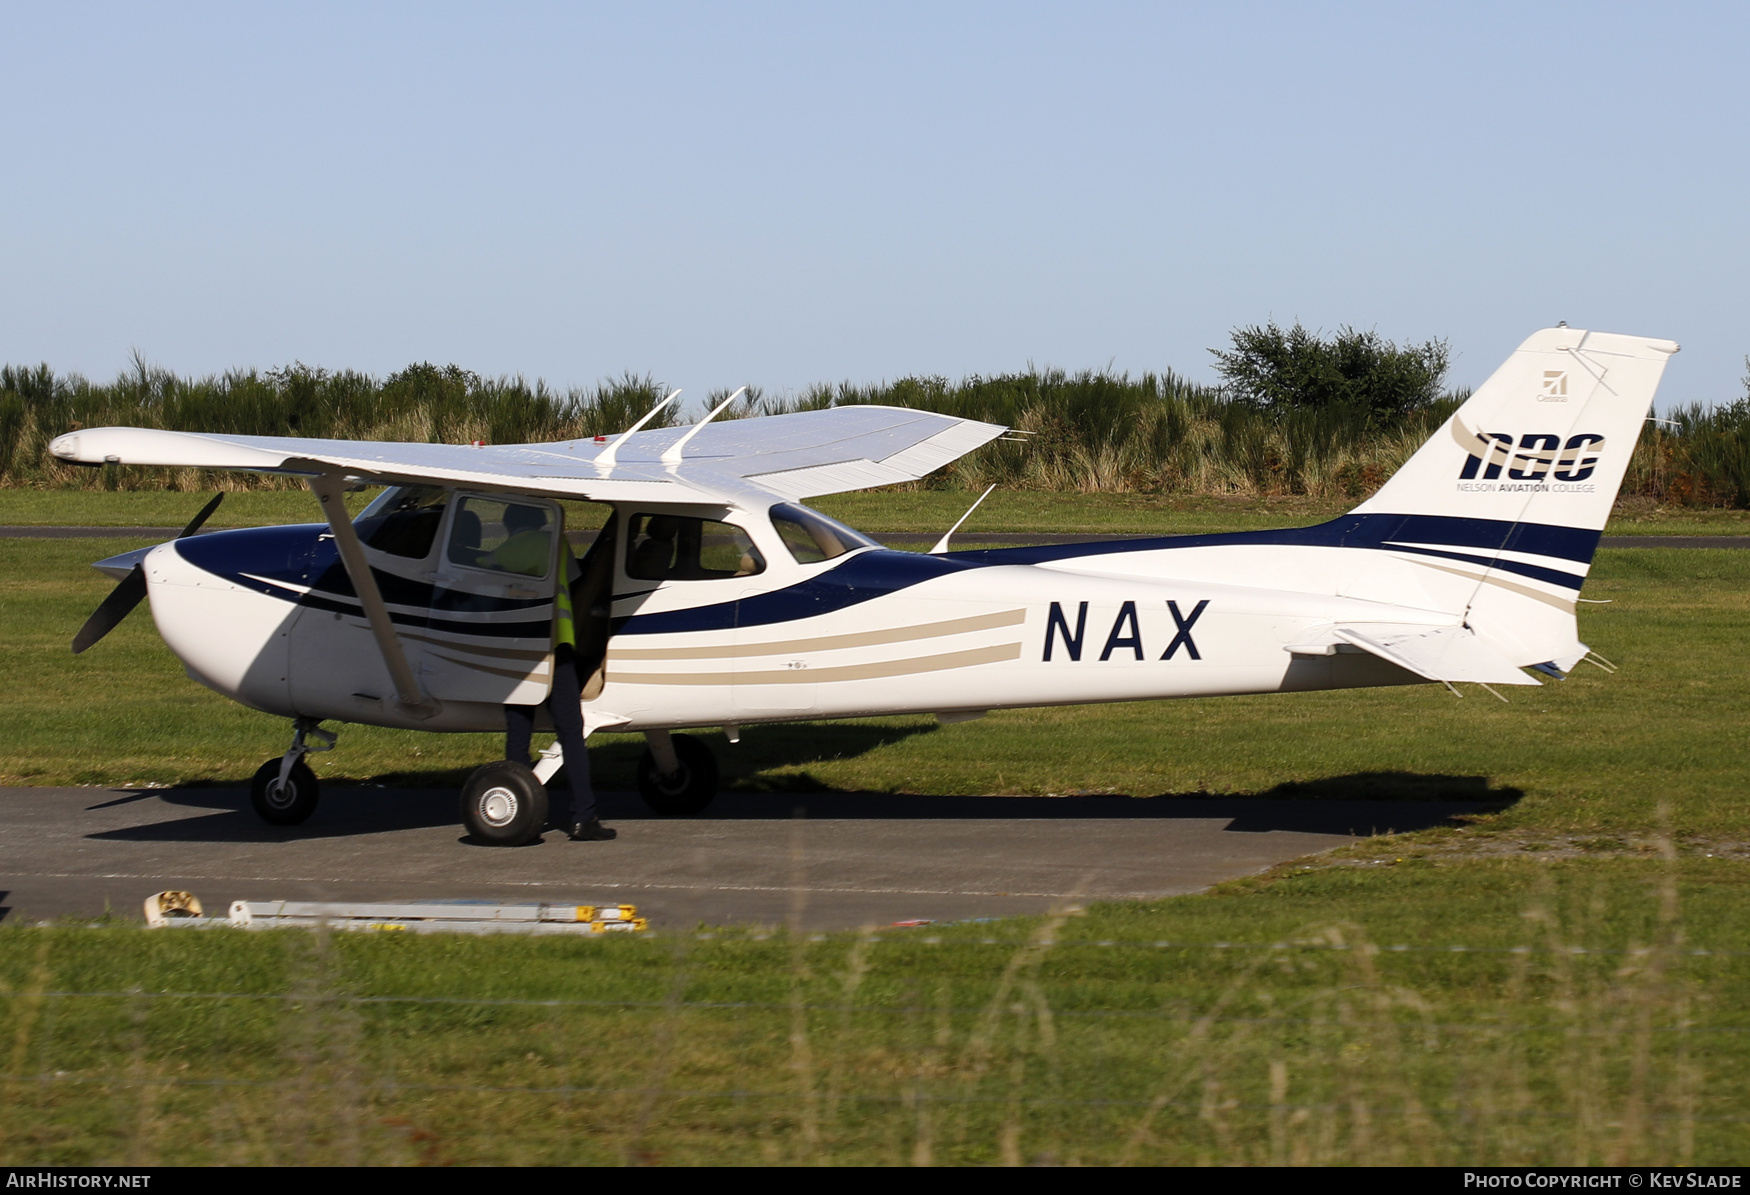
pixel 1586 1035
pixel 1093 432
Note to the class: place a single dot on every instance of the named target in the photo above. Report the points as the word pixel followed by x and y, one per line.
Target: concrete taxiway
pixel 833 861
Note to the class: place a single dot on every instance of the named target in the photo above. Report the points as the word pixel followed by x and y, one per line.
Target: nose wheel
pixel 284 791
pixel 284 800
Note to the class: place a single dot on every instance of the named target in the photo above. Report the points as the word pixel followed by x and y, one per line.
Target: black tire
pixel 288 804
pixel 503 804
pixel 687 791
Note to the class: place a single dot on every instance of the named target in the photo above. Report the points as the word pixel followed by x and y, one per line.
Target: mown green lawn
pixel 1496 1012
pixel 878 511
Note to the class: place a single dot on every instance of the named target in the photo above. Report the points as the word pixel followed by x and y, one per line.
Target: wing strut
pixel 330 490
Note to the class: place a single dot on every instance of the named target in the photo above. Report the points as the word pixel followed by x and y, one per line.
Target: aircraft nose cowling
pixel 226 621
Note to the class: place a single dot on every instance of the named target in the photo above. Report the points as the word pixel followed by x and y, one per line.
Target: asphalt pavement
pixel 835 861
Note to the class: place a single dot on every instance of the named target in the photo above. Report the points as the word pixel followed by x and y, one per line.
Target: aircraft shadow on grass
pixel 1360 803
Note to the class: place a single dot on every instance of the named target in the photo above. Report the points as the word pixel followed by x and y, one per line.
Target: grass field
pixel 876 511
pixel 1577 1025
pixel 1321 1017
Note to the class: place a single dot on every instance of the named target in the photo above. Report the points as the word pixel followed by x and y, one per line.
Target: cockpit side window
pixel 403 521
pixel 812 537
pixel 504 536
pixel 664 547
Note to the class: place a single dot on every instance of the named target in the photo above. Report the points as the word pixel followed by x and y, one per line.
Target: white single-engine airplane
pixel 711 597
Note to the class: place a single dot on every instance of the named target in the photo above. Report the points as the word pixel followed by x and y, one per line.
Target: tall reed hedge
pixel 1090 431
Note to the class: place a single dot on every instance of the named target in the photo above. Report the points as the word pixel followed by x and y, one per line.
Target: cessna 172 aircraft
pixel 712 597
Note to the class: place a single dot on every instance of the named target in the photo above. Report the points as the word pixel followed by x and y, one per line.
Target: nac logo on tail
pixel 1532 457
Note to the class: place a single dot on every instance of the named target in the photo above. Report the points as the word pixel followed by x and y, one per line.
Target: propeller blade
pixel 206 513
pixel 115 607
pixel 124 597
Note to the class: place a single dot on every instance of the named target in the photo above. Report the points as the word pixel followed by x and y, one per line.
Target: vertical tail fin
pixel 1514 490
pixel 1545 440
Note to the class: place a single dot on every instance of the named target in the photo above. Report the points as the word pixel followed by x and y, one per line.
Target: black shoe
pixel 592 831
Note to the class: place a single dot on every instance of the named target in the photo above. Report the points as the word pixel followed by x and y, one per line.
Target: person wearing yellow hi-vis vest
pixel 526 551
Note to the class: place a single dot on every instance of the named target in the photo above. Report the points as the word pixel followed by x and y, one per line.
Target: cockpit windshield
pixel 403 520
pixel 812 537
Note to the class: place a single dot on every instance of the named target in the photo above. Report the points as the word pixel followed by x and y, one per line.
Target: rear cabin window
pixel 685 548
pixel 812 537
pixel 403 521
pixel 504 536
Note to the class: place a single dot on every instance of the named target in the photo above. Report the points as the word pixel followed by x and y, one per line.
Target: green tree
pixel 1281 370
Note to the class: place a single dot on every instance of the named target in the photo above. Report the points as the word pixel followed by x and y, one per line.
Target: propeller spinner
pixel 124 597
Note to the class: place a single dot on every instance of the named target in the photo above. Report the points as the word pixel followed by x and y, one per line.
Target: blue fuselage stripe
pixel 866 575
pixel 292 554
pixel 1551 575
pixel 255 558
pixel 1348 531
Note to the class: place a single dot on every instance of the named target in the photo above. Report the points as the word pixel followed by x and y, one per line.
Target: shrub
pixel 1292 370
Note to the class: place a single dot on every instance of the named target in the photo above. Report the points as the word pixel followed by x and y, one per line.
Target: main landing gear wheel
pixel 689 789
pixel 503 804
pixel 285 804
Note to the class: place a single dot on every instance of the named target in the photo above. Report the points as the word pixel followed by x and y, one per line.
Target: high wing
pixel 742 463
pixel 791 456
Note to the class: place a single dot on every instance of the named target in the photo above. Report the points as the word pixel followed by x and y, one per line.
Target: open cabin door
pixel 489 631
pixel 592 597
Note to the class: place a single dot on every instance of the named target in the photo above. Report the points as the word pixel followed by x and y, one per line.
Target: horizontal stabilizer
pixel 1451 654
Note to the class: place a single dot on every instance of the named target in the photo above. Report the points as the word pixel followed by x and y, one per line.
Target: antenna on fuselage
pixel 942 544
pixel 672 455
pixel 607 456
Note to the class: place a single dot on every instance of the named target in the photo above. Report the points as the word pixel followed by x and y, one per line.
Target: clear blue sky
pixel 724 193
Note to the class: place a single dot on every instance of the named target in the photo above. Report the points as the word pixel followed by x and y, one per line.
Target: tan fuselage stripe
pixel 731 651
pixel 507 653
pixel 1549 599
pixel 807 676
pixel 539 672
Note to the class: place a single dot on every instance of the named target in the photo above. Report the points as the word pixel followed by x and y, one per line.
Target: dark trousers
pixel 575 800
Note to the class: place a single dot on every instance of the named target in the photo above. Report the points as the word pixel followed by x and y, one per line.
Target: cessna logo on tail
pixel 1532 457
